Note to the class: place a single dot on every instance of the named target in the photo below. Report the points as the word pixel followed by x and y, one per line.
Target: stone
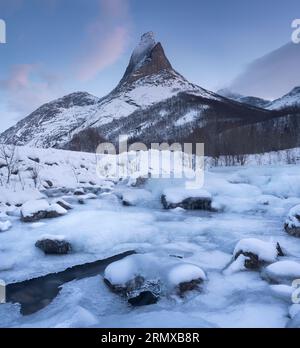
pixel 54 247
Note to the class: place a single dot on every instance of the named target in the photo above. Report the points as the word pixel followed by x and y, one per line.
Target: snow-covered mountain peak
pixel 142 50
pixel 147 59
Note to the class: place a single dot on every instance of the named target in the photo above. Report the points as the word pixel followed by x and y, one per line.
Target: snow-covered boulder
pixel 35 210
pixel 79 192
pixel 185 277
pixel 64 204
pixel 4 226
pixel 292 223
pixel 282 272
pixel 54 245
pixel 252 254
pixel 186 198
pixel 139 274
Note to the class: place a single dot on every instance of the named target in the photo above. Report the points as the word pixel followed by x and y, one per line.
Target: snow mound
pixel 4 226
pixel 282 272
pixel 266 251
pixel 184 273
pixel 282 291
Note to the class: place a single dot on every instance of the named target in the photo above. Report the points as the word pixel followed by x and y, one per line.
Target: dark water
pixel 35 294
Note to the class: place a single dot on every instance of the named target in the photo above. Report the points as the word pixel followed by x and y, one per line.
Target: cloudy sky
pixel 55 47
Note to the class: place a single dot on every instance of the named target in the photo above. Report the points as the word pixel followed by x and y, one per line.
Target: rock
pixel 34 159
pixel 292 223
pixel 251 262
pixel 48 183
pixel 79 192
pixel 257 252
pixel 185 287
pixel 186 199
pixel 145 298
pixel 128 287
pixel 56 246
pixel 64 204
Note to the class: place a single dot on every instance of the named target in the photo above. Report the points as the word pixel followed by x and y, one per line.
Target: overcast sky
pixel 55 47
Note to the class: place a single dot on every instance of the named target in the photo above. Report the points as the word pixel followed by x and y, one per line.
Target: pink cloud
pixel 107 37
pixel 28 87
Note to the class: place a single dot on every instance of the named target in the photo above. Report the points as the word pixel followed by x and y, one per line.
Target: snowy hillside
pixel 290 100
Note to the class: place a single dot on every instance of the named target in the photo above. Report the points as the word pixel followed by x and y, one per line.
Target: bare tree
pixel 9 155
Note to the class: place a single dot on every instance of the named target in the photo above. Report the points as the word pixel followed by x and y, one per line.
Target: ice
pixel 283 291
pixel 294 310
pixel 266 251
pixel 4 226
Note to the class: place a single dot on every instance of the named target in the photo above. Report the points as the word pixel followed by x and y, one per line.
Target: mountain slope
pixel 254 101
pixel 290 100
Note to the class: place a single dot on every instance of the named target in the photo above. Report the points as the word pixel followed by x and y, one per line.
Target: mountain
pixel 290 100
pixel 152 103
pixel 254 101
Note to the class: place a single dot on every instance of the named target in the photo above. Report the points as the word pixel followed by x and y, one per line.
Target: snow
pixel 266 251
pixel 185 273
pixel 282 291
pixel 190 117
pixel 177 195
pixel 286 271
pixel 4 226
pixel 289 100
pixel 136 196
pixel 59 238
pixel 143 49
pixel 57 208
pixel 293 219
pixel 176 244
pixel 294 310
pixel 34 206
